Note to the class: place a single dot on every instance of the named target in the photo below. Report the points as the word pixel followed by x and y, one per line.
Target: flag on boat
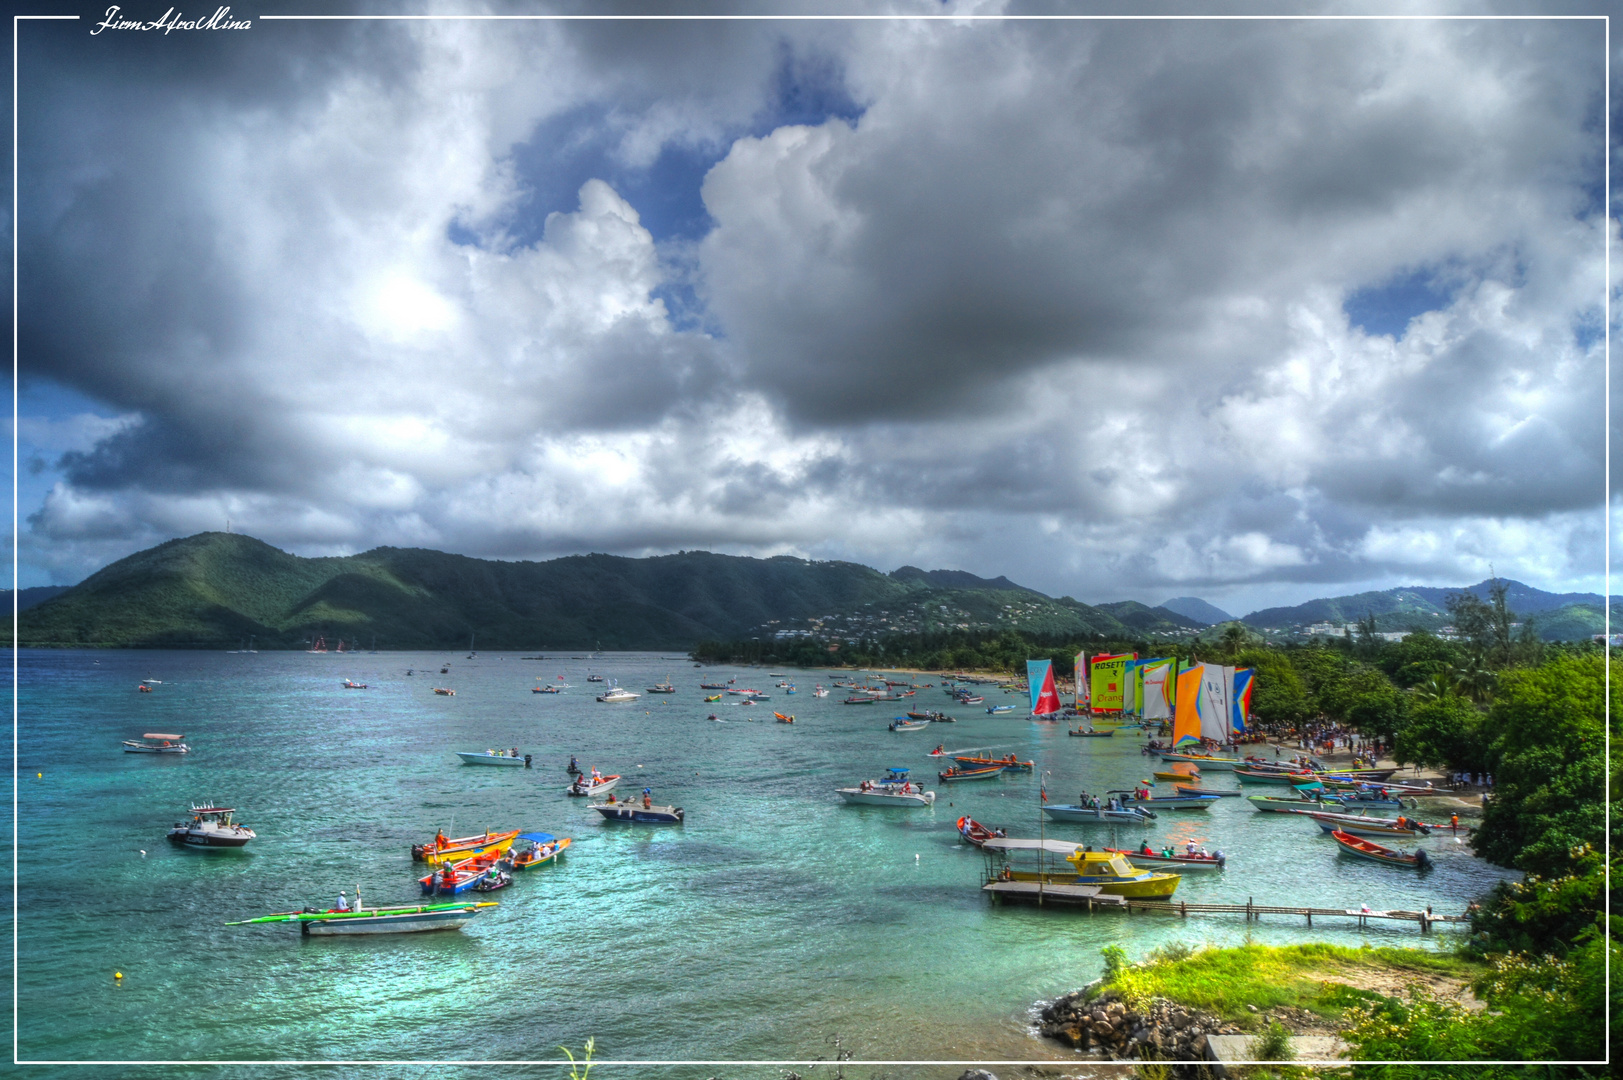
pixel 1040 679
pixel 1042 790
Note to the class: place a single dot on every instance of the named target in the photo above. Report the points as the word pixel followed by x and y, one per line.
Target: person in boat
pixel 574 766
pixel 611 797
pixel 343 901
pixel 647 798
pixel 515 752
pixel 1145 850
pixel 941 749
pixel 1189 847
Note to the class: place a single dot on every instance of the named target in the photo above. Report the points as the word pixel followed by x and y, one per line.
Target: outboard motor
pixel 526 761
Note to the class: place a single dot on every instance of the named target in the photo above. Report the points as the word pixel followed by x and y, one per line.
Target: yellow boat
pixel 464 847
pixel 1112 873
pixel 716 698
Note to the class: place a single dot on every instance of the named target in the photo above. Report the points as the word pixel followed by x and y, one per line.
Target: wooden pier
pixel 1253 911
pixel 1093 897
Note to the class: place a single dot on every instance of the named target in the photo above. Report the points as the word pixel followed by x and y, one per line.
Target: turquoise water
pixel 775 920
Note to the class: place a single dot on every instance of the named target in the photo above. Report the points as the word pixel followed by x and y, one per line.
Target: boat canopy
pixel 212 810
pixel 537 837
pixel 1004 843
pixel 155 735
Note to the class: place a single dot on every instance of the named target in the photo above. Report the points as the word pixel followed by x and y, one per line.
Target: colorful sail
pixel 1158 681
pixel 1040 679
pixel 1216 682
pixel 1109 679
pixel 1082 698
pixel 1244 680
pixel 1186 718
pixel 1132 687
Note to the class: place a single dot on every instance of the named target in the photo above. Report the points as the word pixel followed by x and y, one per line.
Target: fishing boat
pixel 1009 763
pixel 820 691
pixel 1273 805
pixel 549 689
pixel 1183 789
pixel 441 850
pixel 995 709
pixel 782 719
pixel 1129 814
pixel 211 827
pixel 511 759
pixel 156 743
pixel 593 784
pixel 1108 870
pixel 1369 849
pixel 350 684
pixel 1363 826
pixel 954 774
pixel 616 694
pixel 1182 863
pixel 542 849
pixel 902 723
pixel 444 691
pixel 640 813
pixel 976 833
pixel 859 699
pixel 892 789
pixel 1090 733
pixel 930 716
pixel 395 920
pixel 448 879
pixel 594 678
pixel 663 688
pixel 972 699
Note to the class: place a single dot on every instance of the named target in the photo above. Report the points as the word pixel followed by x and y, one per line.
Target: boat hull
pixel 1219 764
pixel 1150 887
pixel 603 787
pixel 1085 813
pixel 207 840
pixel 1366 849
pixel 991 772
pixel 857 797
pixel 467 848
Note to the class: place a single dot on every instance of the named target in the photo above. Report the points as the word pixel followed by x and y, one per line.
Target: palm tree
pixel 1233 639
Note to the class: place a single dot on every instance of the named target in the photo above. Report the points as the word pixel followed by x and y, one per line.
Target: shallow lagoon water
pixel 775 920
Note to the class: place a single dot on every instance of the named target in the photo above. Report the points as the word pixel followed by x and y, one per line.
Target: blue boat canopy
pixel 537 837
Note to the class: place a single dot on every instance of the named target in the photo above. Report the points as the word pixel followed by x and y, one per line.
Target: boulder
pixel 977 1074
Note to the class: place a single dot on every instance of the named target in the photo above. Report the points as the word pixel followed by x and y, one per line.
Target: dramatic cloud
pixel 1253 310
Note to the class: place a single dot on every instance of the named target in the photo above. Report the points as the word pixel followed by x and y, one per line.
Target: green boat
pixel 400 920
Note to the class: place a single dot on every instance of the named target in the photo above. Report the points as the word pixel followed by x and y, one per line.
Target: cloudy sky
pixel 1254 311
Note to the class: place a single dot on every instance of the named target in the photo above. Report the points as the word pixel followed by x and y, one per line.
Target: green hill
pixel 214 590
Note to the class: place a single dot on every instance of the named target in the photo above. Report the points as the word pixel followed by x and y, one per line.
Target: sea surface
pixel 777 924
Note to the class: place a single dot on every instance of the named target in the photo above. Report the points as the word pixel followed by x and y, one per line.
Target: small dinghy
pixel 782 719
pixel 155 743
pixel 1176 861
pixel 976 833
pixel 955 773
pixel 902 723
pixel 1090 733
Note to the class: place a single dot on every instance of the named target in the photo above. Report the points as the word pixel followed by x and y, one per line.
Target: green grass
pixel 1225 981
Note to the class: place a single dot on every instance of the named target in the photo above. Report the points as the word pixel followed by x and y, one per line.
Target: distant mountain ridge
pixel 1193 607
pixel 32 596
pixel 215 590
pixel 1556 615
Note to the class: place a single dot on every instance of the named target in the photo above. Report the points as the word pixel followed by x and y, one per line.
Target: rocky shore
pixel 1108 1025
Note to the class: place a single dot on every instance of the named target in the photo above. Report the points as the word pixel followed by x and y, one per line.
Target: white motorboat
pixel 152 743
pixel 512 759
pixel 617 693
pixel 211 826
pixel 592 785
pixel 893 789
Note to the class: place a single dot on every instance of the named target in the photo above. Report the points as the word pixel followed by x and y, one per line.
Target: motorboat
pixel 511 759
pixel 593 784
pixel 617 694
pixel 211 826
pixel 976 833
pixel 955 773
pixel 665 687
pixel 156 743
pixel 1072 812
pixel 892 789
pixel 351 684
pixel 444 691
pixel 1090 733
pixel 640 813
pixel 902 723
pixel 448 879
pixel 1008 763
pixel 1165 802
pixel 995 709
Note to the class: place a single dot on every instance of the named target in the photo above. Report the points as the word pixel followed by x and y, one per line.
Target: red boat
pixel 1368 849
pixel 975 832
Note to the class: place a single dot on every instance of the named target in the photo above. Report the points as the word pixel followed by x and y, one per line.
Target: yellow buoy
pixel 118 974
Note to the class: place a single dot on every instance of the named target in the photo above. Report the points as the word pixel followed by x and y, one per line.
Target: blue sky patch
pixel 1387 308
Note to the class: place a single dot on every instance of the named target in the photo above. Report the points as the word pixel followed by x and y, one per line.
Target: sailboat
pixel 1045 703
pixel 319 647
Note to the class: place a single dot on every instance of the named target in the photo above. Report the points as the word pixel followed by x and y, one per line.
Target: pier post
pixel 1248 915
pixel 1309 918
pixel 1183 906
